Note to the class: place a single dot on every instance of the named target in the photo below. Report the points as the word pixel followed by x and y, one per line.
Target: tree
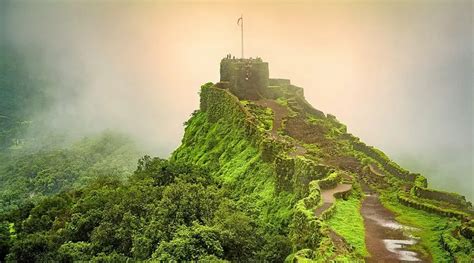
pixel 5 240
pixel 190 244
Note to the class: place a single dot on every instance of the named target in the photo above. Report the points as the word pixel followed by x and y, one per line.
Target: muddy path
pixel 327 196
pixel 384 236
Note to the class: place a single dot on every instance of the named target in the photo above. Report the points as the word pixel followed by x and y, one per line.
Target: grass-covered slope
pixel 237 142
pixel 348 223
pixel 223 138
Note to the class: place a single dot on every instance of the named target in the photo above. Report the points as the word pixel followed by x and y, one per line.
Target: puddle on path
pixel 399 246
pixel 385 237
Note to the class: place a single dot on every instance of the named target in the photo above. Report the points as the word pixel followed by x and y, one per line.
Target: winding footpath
pixel 280 112
pixel 385 238
pixel 328 199
pixel 327 196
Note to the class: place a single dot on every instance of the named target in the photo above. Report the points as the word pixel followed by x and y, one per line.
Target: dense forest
pixel 165 211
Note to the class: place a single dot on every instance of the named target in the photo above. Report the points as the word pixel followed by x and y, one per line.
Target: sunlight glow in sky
pixel 397 73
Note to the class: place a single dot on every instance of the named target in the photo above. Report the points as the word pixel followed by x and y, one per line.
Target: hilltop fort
pixel 248 78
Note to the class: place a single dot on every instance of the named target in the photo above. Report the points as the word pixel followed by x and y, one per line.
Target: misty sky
pixel 397 73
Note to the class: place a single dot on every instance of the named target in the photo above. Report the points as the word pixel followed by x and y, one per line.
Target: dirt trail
pixel 280 112
pixel 375 170
pixel 384 236
pixel 328 198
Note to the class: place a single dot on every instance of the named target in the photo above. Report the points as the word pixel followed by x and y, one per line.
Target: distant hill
pixel 28 175
pixel 24 91
pixel 36 161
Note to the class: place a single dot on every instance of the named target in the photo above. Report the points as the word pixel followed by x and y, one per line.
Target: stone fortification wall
pixel 411 202
pixel 248 78
pixel 452 198
pixel 279 82
pixel 386 163
pixel 295 174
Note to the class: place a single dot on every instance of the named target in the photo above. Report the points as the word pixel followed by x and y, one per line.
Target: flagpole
pixel 242 34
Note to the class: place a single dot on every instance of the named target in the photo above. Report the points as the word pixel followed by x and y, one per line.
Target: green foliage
pixel 191 243
pixel 348 222
pixel 452 199
pixel 229 152
pixel 421 181
pixel 282 101
pixel 330 181
pixel 5 239
pixel 431 206
pixel 220 104
pixel 304 229
pixel 227 146
pixel 264 116
pixel 166 211
pixel 74 251
pixel 304 256
pixel 459 247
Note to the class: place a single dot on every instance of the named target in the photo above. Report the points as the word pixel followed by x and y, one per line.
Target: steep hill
pixel 260 176
pixel 248 121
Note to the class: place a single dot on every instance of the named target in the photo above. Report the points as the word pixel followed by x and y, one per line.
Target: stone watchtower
pixel 245 78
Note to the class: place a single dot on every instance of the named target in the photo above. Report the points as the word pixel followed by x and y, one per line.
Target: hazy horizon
pixel 398 74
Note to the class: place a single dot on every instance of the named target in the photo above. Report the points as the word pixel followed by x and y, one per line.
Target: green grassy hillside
pixel 252 181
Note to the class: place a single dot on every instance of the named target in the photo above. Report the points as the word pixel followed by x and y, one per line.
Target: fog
pixel 398 74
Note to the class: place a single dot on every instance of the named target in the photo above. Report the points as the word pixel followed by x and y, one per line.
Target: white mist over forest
pixel 399 75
